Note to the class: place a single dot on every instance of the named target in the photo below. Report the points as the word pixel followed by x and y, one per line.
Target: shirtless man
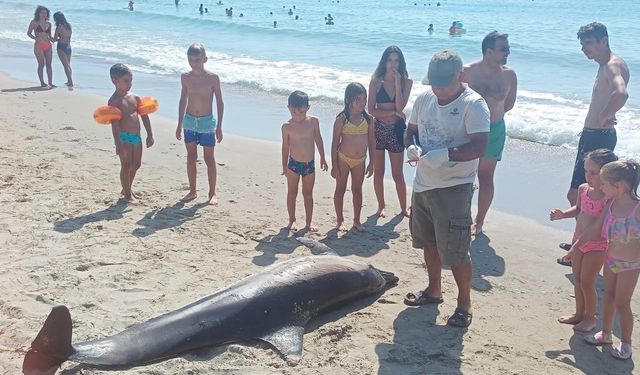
pixel 608 96
pixel 199 87
pixel 497 84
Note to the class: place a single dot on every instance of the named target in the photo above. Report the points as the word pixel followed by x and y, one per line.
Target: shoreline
pixel 66 239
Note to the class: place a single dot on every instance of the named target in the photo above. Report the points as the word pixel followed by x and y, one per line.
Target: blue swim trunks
pixel 300 167
pixel 130 138
pixel 201 130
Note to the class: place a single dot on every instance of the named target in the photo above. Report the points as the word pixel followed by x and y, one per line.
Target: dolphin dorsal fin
pixel 288 341
pixel 316 247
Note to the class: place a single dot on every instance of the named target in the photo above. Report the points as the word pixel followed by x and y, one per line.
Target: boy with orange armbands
pixel 126 130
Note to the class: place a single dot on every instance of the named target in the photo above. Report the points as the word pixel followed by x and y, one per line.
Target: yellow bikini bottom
pixel 351 162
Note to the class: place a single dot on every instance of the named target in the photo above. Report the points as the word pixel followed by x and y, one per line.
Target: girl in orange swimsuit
pixel 353 135
pixel 587 260
pixel 40 31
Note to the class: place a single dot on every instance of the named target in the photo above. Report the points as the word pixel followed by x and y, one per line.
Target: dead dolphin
pixel 273 305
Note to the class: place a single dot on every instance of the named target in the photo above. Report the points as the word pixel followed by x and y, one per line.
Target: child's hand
pixel 323 165
pixel 179 132
pixel 219 134
pixel 556 214
pixel 401 115
pixel 335 172
pixel 150 141
pixel 369 171
pixel 284 171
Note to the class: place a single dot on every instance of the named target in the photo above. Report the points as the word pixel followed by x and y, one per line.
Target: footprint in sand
pixel 68 128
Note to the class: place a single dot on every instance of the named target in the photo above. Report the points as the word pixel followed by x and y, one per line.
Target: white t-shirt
pixel 447 126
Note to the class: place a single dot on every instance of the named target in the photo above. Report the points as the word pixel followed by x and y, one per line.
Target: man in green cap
pixel 452 125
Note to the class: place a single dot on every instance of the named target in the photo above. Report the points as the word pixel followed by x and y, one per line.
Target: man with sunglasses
pixel 497 84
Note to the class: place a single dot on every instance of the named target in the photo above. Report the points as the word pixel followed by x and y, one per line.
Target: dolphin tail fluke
pixel 315 246
pixel 52 346
pixel 288 341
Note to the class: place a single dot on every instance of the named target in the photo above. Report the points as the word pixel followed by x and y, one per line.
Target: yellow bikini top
pixel 350 128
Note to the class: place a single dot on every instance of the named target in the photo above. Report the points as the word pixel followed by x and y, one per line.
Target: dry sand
pixel 66 239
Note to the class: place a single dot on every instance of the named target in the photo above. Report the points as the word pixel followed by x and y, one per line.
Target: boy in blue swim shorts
pixel 126 131
pixel 196 121
pixel 299 134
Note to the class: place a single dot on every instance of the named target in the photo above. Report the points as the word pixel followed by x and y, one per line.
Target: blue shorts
pixel 203 139
pixel 130 138
pixel 300 167
pixel 200 129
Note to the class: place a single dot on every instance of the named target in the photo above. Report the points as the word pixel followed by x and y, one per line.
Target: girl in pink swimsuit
pixel 620 225
pixel 586 262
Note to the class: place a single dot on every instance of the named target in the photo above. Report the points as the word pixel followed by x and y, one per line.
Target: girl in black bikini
pixel 388 95
pixel 63 37
pixel 40 31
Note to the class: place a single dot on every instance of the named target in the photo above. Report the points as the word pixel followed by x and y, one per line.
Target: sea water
pixel 555 78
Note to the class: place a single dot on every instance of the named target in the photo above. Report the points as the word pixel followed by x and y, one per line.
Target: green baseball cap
pixel 444 67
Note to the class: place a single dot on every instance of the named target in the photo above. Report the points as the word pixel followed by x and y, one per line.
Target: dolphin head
pixel 390 280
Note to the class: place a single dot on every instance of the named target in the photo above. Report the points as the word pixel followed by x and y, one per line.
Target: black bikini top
pixel 383 97
pixel 39 29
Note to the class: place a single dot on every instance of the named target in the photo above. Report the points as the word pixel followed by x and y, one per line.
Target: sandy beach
pixel 67 239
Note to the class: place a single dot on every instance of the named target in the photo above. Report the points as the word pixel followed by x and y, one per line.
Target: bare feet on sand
pixel 189 197
pixel 358 226
pixel 312 228
pixel 292 226
pixel 132 199
pixel 133 193
pixel 405 213
pixel 213 199
pixel 569 319
pixel 587 325
pixel 476 229
pixel 340 227
pixel 381 213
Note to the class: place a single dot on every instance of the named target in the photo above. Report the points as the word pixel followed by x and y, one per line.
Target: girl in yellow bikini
pixel 352 137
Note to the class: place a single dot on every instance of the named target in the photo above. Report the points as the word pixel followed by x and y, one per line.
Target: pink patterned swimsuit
pixel 622 230
pixel 591 207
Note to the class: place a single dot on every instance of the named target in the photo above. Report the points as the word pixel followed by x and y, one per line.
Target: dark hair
pixel 118 71
pixel 623 171
pixel 61 20
pixel 489 41
pixel 36 15
pixel 381 70
pixel 594 30
pixel 353 90
pixel 196 49
pixel 601 156
pixel 298 99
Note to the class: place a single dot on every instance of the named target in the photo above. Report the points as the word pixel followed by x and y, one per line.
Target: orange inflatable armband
pixel 147 105
pixel 105 114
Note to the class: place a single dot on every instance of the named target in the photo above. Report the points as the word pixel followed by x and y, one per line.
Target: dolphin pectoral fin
pixel 288 341
pixel 317 248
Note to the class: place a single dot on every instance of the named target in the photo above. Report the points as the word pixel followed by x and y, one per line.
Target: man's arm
pixel 411 135
pixel 510 101
pixel 476 148
pixel 619 94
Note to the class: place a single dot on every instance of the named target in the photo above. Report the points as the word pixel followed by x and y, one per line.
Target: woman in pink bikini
pixel 620 225
pixel 40 31
pixel 587 261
